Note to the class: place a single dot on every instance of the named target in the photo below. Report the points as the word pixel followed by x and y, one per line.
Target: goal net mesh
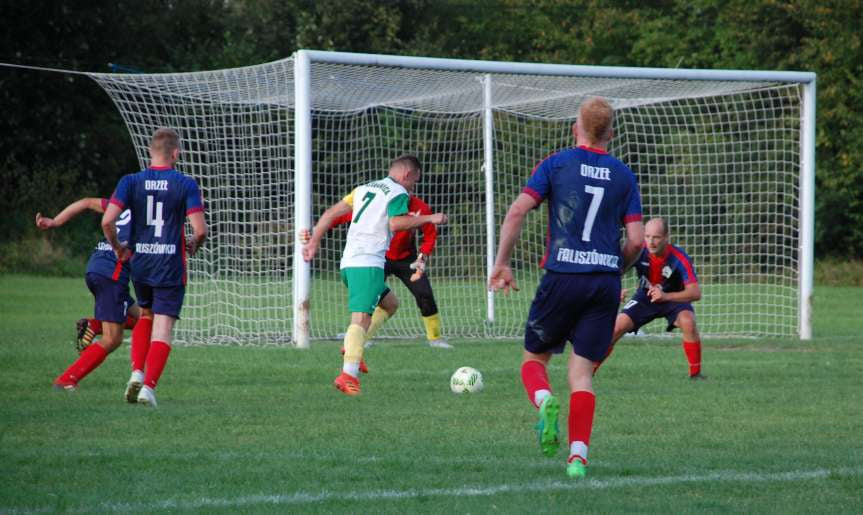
pixel 718 159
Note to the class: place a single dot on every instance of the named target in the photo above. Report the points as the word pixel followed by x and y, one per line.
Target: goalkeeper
pixel 403 261
pixel 667 287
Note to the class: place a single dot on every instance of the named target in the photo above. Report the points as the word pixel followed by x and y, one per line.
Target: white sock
pixel 539 396
pixel 352 369
pixel 578 448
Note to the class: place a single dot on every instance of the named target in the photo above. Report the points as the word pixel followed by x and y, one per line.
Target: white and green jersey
pixel 369 234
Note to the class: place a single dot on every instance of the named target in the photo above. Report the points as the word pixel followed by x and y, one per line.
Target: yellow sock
pixel 378 318
pixel 432 324
pixel 355 336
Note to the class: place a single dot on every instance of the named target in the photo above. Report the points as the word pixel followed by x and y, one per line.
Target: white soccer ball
pixel 466 379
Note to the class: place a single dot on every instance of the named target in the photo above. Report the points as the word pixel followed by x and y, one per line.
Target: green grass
pixel 776 428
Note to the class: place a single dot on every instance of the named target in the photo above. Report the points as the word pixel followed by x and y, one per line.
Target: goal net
pixel 721 156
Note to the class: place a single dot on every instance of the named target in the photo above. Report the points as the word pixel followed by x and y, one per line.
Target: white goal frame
pixel 304 60
pixel 245 128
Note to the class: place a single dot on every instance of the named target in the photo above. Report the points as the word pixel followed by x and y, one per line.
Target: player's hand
pixel 623 293
pixel 309 250
pixel 502 279
pixel 192 246
pixel 438 219
pixel 43 222
pixel 656 294
pixel 123 253
pixel 304 235
pixel 419 267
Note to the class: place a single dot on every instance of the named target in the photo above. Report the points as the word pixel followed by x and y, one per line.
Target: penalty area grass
pixel 776 427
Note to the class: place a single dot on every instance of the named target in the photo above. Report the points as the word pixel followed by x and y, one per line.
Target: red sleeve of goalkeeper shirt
pixel 429 230
pixel 403 245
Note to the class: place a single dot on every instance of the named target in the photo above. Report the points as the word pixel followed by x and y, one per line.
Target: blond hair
pixel 164 142
pixel 596 116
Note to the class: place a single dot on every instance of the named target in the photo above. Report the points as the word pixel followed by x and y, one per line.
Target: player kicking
pixel 377 209
pixel 667 286
pixel 108 281
pixel 160 199
pixel 403 261
pixel 591 195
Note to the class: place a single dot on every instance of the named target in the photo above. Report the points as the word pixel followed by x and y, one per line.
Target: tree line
pixel 63 138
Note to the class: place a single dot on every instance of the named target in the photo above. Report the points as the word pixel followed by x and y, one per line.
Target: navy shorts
pixel 112 298
pixel 642 311
pixel 579 308
pixel 163 300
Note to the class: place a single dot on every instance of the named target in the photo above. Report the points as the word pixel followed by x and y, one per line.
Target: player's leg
pixel 141 338
pixel 167 302
pixel 591 338
pixel 582 406
pixel 691 342
pixel 421 289
pixel 547 324
pixel 385 309
pixel 622 325
pixel 110 308
pixel 365 287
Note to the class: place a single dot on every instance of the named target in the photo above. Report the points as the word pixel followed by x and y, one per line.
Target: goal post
pixel 727 156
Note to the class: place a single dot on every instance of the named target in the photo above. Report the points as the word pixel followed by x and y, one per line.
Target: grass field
pixel 777 427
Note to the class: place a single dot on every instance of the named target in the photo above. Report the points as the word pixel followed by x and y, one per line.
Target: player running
pixel 160 199
pixel 403 261
pixel 591 195
pixel 108 281
pixel 667 287
pixel 378 209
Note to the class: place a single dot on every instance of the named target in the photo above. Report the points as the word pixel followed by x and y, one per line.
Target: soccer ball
pixel 466 379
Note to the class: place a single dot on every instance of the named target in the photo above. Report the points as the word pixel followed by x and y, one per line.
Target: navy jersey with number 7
pixel 159 198
pixel 591 196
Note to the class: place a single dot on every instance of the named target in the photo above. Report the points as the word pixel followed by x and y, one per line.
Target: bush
pixel 833 272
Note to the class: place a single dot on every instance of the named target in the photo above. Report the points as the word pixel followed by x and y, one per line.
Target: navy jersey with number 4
pixel 591 196
pixel 159 198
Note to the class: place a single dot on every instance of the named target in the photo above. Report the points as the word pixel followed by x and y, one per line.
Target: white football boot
pixel 147 397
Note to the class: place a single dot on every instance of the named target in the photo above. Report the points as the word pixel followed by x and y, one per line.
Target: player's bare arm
pixel 310 247
pixel 691 293
pixel 109 229
pixel 501 275
pixel 69 212
pixel 634 243
pixel 199 232
pixel 412 221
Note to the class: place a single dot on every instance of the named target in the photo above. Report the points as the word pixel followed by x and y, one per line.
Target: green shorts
pixel 365 285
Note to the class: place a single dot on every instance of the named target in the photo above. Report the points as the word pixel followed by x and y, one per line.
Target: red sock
pixel 130 322
pixel 95 325
pixel 582 405
pixel 90 358
pixel 534 377
pixel 141 342
pixel 693 355
pixel 156 359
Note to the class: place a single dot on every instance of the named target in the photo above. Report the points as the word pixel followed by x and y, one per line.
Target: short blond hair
pixel 164 142
pixel 596 116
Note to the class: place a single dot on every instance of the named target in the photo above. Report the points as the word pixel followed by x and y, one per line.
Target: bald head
pixel 656 235
pixel 593 127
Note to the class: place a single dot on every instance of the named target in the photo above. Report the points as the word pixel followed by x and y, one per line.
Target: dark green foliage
pixel 53 122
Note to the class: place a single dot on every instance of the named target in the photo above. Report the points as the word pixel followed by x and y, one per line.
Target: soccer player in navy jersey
pixel 160 199
pixel 667 287
pixel 591 195
pixel 108 281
